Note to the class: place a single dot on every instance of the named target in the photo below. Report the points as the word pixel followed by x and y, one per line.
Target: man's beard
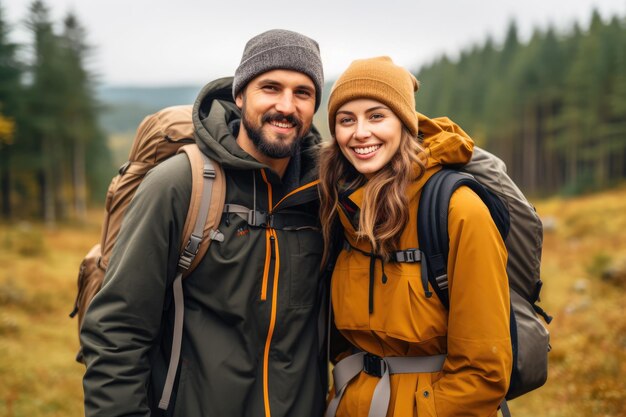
pixel 276 149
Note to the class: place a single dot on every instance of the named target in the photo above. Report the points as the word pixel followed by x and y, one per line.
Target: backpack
pixel 522 232
pixel 159 136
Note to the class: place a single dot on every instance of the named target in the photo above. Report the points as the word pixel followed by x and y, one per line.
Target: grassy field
pixel 584 270
pixel 38 341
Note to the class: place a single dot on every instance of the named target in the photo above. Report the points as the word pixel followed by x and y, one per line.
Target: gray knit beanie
pixel 280 49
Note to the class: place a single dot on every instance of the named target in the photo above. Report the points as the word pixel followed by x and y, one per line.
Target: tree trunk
pixel 532 157
pixel 80 191
pixel 572 148
pixel 48 185
pixel 527 160
pixel 5 182
pixel 603 163
pixel 62 167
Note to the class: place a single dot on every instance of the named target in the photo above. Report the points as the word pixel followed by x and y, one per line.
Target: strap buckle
pixel 373 365
pixel 259 218
pixel 190 252
pixel 208 171
pixel 408 256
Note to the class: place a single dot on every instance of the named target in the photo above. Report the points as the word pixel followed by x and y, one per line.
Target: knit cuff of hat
pixel 375 89
pixel 287 57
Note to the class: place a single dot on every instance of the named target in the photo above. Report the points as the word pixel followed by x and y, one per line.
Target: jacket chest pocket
pixel 304 248
pixel 403 311
pixel 400 308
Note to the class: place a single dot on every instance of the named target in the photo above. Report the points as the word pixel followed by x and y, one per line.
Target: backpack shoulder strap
pixel 432 222
pixel 208 192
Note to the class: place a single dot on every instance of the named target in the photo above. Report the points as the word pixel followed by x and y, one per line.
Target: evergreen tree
pixel 10 74
pixel 79 109
pixel 51 147
pixel 554 109
pixel 582 116
pixel 44 94
pixel 615 133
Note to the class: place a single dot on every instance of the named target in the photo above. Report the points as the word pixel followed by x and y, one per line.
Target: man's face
pixel 277 108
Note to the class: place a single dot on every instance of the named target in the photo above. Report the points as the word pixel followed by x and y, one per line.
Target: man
pixel 250 344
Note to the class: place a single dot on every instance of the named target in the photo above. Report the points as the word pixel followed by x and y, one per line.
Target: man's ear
pixel 239 100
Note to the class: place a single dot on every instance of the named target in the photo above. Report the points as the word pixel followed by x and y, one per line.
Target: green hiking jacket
pixel 250 342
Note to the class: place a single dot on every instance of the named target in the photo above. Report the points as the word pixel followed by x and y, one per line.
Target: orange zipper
pixel 271 242
pixel 270 332
pixel 270 238
pixel 268 260
pixel 297 190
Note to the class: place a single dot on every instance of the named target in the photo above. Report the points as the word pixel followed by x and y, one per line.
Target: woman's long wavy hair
pixel 385 208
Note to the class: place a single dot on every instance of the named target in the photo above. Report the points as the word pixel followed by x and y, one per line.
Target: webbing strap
pixel 253 217
pixel 184 262
pixel 281 220
pixel 179 311
pixel 504 409
pixel 351 366
pixel 193 244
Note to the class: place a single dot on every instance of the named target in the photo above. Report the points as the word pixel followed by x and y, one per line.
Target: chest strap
pixel 350 367
pixel 281 220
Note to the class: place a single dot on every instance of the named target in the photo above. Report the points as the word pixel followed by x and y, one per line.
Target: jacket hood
pixel 445 142
pixel 216 120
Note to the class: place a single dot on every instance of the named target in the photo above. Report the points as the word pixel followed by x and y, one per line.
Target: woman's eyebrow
pixel 377 108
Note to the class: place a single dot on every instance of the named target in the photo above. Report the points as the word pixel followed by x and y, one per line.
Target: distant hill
pixel 125 107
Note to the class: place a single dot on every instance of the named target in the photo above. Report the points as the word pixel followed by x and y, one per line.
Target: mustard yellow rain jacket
pixel 474 333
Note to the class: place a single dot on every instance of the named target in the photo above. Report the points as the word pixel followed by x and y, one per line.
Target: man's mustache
pixel 277 117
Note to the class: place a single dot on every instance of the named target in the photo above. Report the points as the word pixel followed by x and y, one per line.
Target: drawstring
pixel 382 265
pixel 427 292
pixel 371 289
pixel 373 258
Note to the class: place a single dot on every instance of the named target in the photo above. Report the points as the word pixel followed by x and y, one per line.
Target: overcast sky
pixel 173 42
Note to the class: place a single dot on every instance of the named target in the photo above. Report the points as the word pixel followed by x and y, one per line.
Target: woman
pixel 437 362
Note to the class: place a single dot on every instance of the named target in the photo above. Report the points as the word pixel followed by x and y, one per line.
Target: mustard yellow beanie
pixel 377 79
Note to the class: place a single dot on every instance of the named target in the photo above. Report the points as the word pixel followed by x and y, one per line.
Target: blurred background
pixel 542 84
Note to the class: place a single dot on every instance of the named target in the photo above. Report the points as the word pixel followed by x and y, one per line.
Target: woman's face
pixel 368 134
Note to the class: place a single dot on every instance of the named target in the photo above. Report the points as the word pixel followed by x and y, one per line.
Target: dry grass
pixel 38 270
pixel 583 237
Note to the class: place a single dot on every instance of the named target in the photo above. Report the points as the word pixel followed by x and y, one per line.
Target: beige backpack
pixel 159 136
